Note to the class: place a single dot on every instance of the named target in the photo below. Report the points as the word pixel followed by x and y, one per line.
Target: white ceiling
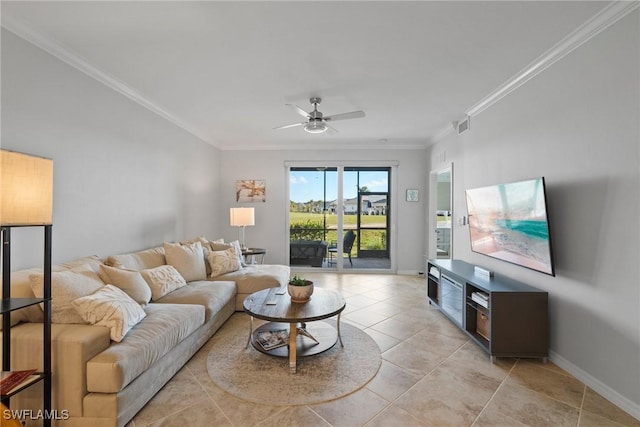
pixel 224 70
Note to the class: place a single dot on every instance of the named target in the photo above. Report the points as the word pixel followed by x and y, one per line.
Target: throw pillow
pixel 111 307
pixel 236 244
pixel 163 280
pixel 188 259
pixel 220 246
pixel 223 262
pixel 66 286
pixel 131 282
pixel 203 241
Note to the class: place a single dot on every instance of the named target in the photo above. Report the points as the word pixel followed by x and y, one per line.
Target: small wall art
pixel 412 195
pixel 251 191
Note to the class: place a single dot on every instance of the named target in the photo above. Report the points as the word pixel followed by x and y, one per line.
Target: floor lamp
pixel 26 200
pixel 242 217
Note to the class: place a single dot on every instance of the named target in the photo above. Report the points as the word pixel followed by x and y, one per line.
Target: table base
pixel 324 333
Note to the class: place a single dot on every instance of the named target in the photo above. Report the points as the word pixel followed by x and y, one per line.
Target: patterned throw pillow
pixel 66 286
pixel 110 307
pixel 223 261
pixel 221 246
pixel 163 280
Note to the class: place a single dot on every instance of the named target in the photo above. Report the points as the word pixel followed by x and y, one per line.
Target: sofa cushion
pixel 111 307
pixel 66 286
pixel 187 258
pixel 160 331
pixel 93 261
pixel 254 278
pixel 162 280
pixel 212 295
pixel 142 260
pixel 129 281
pixel 224 261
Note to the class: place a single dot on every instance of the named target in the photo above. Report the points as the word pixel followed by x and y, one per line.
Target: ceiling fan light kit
pixel 316 126
pixel 316 122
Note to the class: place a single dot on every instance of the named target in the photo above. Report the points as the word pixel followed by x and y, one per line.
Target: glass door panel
pixel 367 213
pixel 312 216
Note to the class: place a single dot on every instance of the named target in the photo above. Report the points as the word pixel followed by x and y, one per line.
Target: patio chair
pixel 347 245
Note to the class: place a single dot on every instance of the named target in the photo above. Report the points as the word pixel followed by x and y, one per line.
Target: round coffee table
pixel 275 305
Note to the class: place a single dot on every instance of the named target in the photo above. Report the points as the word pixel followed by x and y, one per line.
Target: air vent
pixel 463 126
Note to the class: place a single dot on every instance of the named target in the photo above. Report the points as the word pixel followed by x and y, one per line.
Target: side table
pixel 252 252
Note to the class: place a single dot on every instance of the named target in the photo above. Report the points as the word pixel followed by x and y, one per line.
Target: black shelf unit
pixel 8 304
pixel 515 321
pixel 433 284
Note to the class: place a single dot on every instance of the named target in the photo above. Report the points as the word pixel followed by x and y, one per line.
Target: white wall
pixel 124 178
pixel 270 230
pixel 576 124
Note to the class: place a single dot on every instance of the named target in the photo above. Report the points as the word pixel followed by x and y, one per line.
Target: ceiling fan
pixel 316 122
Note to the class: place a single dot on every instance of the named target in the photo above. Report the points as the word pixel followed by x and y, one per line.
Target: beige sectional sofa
pixel 101 382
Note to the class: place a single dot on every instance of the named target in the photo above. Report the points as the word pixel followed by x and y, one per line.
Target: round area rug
pixel 258 377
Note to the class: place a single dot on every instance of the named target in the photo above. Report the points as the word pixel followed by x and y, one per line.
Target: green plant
pixel 299 281
pixel 308 230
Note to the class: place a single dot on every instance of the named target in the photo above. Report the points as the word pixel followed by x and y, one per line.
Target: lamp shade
pixel 240 217
pixel 26 184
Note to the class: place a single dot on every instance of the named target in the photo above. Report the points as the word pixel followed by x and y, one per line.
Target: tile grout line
pixel 584 396
pixel 424 376
pixel 504 380
pixel 391 402
pixel 209 396
pixel 318 415
pixel 540 393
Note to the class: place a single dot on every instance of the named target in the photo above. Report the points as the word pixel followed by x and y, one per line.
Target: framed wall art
pixel 251 191
pixel 412 195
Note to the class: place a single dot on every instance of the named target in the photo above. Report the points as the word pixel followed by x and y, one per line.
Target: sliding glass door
pixel 339 217
pixel 366 193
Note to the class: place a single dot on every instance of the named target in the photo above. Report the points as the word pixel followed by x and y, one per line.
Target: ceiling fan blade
pixel 299 111
pixel 331 130
pixel 344 116
pixel 290 126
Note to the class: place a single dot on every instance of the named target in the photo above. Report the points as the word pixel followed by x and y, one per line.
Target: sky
pixel 308 185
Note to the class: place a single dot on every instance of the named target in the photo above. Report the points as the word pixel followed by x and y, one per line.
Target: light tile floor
pixel 431 375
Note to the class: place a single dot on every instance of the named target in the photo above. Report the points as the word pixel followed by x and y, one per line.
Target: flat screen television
pixel 509 222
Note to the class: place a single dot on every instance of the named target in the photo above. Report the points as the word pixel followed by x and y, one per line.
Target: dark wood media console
pixel 505 317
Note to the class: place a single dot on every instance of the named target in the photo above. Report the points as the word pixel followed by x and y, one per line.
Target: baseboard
pixel 598 386
pixel 408 272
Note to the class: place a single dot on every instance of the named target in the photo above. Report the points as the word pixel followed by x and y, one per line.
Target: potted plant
pixel 300 289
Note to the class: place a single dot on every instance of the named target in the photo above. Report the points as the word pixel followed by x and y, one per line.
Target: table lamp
pixel 241 217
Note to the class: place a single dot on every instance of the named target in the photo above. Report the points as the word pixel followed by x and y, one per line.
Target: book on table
pixel 11 381
pixel 270 339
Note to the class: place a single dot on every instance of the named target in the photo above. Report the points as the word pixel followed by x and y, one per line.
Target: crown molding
pixel 612 13
pixel 72 58
pixel 608 16
pixel 441 134
pixel 329 146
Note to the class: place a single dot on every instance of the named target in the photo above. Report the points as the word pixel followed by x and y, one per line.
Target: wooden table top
pixel 324 303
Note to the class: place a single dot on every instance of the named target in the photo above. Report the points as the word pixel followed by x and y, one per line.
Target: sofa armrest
pixel 72 346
